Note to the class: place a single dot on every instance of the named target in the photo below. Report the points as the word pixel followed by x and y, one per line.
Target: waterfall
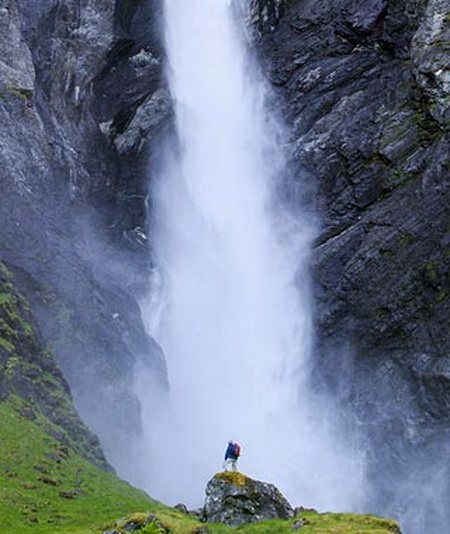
pixel 230 303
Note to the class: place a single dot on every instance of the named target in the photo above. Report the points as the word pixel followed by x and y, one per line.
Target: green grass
pixel 46 488
pixel 70 495
pixel 347 523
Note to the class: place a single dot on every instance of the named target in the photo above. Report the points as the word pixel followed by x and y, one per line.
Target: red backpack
pixel 237 450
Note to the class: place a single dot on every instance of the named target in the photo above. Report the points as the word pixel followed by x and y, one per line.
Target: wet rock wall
pixel 364 92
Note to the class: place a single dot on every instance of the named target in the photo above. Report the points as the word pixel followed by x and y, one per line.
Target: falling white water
pixel 231 309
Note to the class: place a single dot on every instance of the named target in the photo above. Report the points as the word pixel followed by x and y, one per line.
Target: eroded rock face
pixel 263 15
pixel 431 56
pixel 235 499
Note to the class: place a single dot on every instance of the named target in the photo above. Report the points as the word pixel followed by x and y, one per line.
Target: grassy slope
pixel 73 496
pixel 66 494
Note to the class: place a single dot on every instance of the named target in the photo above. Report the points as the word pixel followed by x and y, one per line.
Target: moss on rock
pixel 235 478
pixel 29 371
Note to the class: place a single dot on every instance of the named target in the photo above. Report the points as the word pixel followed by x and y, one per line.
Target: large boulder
pixel 235 499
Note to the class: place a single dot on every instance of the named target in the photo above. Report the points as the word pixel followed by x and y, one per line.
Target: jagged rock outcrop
pixel 262 15
pixel 235 499
pixel 430 49
pixel 365 93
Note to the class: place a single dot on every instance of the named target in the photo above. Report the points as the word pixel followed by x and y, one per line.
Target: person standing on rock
pixel 231 456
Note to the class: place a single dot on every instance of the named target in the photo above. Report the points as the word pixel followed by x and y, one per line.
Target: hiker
pixel 231 455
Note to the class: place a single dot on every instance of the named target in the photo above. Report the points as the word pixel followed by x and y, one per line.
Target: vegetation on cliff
pixel 29 371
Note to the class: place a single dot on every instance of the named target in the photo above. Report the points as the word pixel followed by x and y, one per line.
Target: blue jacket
pixel 230 452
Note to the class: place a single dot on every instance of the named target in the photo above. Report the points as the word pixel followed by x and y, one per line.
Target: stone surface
pixel 235 499
pixel 154 111
pixel 261 14
pixel 431 56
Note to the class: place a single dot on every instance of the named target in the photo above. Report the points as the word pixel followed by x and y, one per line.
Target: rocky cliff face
pixel 365 92
pixel 80 86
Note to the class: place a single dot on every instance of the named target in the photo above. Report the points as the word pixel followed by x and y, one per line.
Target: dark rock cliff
pixel 364 86
pixel 80 88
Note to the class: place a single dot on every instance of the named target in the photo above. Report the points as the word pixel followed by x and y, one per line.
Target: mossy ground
pixel 46 488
